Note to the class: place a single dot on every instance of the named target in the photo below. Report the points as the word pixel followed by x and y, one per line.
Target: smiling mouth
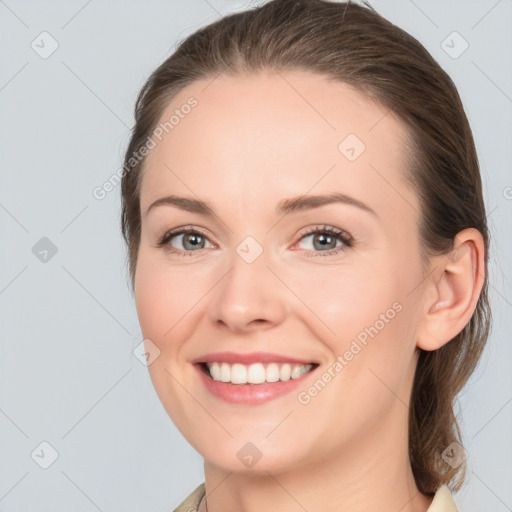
pixel 257 373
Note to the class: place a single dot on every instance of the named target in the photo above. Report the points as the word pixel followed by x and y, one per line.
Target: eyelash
pixel 338 234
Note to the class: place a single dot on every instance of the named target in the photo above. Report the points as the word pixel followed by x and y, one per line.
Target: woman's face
pixel 271 279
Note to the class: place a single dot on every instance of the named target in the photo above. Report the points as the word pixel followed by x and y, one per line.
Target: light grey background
pixel 68 376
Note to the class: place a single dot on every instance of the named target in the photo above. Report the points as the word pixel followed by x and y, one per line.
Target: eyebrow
pixel 284 207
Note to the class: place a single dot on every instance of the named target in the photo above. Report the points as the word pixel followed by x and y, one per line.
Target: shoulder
pixel 443 501
pixel 191 502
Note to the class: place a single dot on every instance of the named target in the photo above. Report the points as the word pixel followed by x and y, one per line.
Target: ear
pixel 454 290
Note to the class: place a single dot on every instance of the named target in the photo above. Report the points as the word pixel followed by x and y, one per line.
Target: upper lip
pixel 249 358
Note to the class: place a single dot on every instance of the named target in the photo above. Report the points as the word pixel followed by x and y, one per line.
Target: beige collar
pixel 443 501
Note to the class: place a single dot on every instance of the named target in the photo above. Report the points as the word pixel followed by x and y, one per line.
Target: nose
pixel 249 297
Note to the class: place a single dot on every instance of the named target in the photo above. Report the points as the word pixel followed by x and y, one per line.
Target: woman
pixel 308 246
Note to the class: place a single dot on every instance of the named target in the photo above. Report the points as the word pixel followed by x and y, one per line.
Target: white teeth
pixel 272 373
pixel 256 373
pixel 238 374
pixel 296 372
pixel 285 372
pixel 225 372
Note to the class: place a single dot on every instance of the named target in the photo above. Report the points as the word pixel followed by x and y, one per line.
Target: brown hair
pixel 353 44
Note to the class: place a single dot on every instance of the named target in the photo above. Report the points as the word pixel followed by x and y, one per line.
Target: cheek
pixel 162 298
pixel 363 313
pixel 346 300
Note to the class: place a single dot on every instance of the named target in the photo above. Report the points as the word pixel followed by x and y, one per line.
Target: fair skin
pixel 250 143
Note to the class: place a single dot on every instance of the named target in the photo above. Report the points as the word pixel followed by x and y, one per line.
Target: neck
pixel 373 473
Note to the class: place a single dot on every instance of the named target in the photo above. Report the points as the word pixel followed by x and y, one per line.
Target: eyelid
pixel 326 228
pixel 346 239
pixel 340 234
pixel 182 230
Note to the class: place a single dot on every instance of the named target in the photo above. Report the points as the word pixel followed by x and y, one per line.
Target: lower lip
pixel 249 394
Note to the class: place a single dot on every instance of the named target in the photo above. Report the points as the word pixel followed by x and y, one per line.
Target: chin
pixel 257 457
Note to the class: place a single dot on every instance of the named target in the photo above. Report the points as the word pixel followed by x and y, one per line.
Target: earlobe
pixel 455 291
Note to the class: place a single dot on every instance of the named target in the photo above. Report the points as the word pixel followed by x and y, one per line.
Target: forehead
pixel 274 134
